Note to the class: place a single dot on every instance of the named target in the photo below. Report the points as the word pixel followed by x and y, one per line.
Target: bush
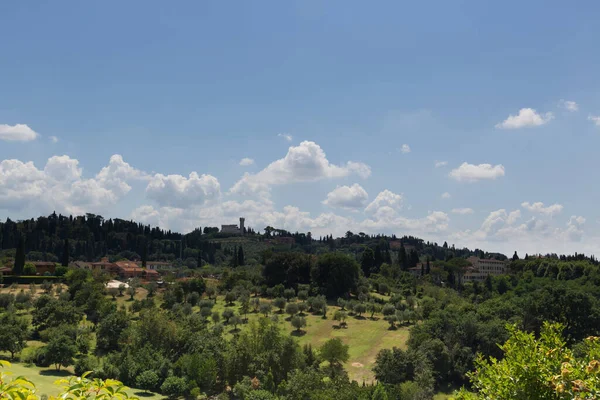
pixel 147 380
pixel 173 386
pixel 85 364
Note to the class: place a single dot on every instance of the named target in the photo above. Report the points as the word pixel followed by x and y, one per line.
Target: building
pixel 105 266
pixel 129 269
pixel 417 271
pixel 481 268
pixel 43 267
pixel 159 265
pixel 234 229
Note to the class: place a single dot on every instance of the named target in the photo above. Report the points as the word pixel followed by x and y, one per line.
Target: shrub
pixel 173 386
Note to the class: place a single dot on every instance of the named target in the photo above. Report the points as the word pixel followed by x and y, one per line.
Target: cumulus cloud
pixel 17 133
pixel 306 162
pixel 526 117
pixel 350 197
pixel 595 119
pixel 471 173
pixel 439 164
pixel 462 211
pixel 60 185
pixel 538 207
pixel 574 231
pixel 569 105
pixel 53 139
pixel 244 162
pixel 405 149
pixel 179 191
pixel 385 198
pixel 446 195
pixel 286 136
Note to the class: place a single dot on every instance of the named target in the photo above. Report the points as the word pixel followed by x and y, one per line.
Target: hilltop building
pixel 481 268
pixel 234 228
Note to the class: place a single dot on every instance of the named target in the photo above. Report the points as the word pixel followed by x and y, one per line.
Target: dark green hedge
pixel 9 279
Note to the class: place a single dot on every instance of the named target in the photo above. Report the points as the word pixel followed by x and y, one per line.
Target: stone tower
pixel 242 219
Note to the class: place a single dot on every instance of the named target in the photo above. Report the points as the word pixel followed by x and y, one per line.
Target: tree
pixel 515 256
pixel 205 312
pixel 291 309
pixel 152 287
pixel 109 330
pixel 336 353
pixel 122 288
pixel 367 261
pixel 113 292
pixel 131 291
pixel 13 333
pixel 240 256
pixel 341 316
pixel 289 293
pixel 538 369
pixel 229 298
pixel 60 351
pixel 298 322
pixel 379 393
pixel 337 273
pixel 279 303
pixel 235 321
pixel 173 387
pixel 302 307
pixel 210 292
pixel 65 255
pixel 360 308
pixel 144 253
pixel 216 317
pixel 265 309
pixel 19 266
pixel 147 380
pixel 227 314
pixel 373 308
pixel 402 259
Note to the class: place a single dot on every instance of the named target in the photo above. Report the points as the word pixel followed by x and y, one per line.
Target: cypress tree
pixel 402 258
pixel 144 253
pixel 20 257
pixel 65 255
pixel 240 256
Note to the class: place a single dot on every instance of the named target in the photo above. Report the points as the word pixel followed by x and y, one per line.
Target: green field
pixel 364 336
pixel 44 379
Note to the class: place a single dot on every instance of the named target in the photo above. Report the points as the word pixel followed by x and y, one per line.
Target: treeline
pixel 91 237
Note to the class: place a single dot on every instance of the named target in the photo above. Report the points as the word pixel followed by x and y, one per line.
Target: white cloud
pixel 569 105
pixel 538 207
pixel 179 191
pixel 63 168
pixel 17 133
pixel 439 164
pixel 60 186
pixel 53 139
pixel 286 136
pixel 462 211
pixel 350 197
pixel 526 117
pixel 244 162
pixel 446 195
pixel 471 173
pixel 574 231
pixel 306 162
pixel 595 119
pixel 385 198
pixel 405 149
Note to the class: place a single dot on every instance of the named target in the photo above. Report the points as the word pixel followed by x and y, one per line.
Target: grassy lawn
pixel 44 379
pixel 364 336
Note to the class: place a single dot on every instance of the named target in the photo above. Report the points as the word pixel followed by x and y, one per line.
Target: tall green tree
pixel 240 256
pixel 65 255
pixel 20 257
pixel 13 333
pixel 402 258
pixel 367 262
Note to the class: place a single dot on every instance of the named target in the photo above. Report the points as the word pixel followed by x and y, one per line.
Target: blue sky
pixel 109 107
